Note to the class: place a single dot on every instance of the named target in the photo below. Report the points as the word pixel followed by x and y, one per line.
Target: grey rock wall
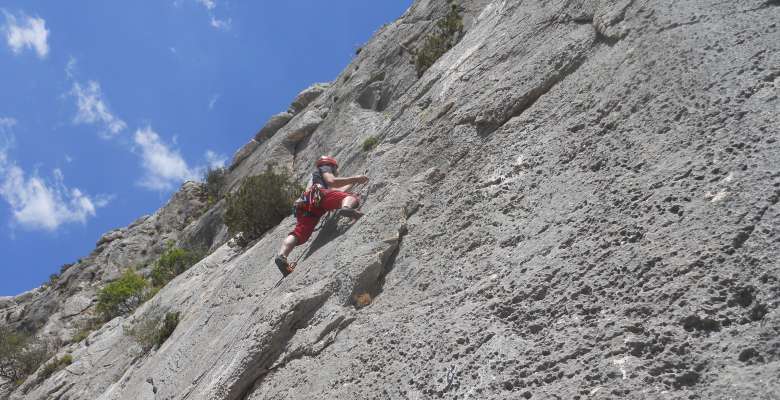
pixel 579 200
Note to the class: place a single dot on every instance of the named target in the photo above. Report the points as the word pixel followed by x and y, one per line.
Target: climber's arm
pixel 340 183
pixel 344 188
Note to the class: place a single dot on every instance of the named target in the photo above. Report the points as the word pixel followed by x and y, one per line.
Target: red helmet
pixel 327 160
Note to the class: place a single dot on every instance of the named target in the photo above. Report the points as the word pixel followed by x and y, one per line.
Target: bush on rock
pixel 122 296
pixel 260 203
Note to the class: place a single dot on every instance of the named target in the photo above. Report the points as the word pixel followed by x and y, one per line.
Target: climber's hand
pixel 360 179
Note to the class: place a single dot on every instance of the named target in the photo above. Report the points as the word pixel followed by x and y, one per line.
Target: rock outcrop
pixel 578 200
pixel 58 309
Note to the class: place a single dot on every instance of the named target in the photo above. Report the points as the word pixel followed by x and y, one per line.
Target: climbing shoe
pixel 284 267
pixel 350 212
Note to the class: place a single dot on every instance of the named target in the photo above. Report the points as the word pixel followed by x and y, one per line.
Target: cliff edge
pixel 578 200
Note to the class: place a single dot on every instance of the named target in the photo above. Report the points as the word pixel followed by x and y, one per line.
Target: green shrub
pixel 172 263
pixel 260 203
pixel 370 143
pixel 449 31
pixel 121 296
pixel 20 356
pixel 151 332
pixel 169 325
pixel 53 366
pixel 53 278
pixel 214 181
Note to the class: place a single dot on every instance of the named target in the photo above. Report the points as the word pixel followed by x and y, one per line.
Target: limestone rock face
pixel 307 96
pixel 578 200
pixel 243 153
pixel 273 125
pixel 303 126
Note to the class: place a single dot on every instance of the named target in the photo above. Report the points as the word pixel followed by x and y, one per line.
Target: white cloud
pixel 38 204
pixel 30 32
pixel 215 160
pixel 213 101
pixel 6 124
pixel 70 68
pixel 92 109
pixel 209 4
pixel 221 24
pixel 164 168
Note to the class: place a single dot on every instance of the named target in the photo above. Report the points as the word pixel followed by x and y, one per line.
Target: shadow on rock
pixel 331 229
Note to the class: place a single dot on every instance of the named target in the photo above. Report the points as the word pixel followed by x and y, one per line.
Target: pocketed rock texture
pixel 578 200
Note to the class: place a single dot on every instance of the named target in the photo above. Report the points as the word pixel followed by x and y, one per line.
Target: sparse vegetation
pixel 260 203
pixel 20 356
pixel 172 263
pixel 214 181
pixel 81 335
pixel 131 290
pixel 153 332
pixel 66 267
pixel 53 278
pixel 144 333
pixel 151 292
pixel 121 296
pixel 53 366
pixel 86 327
pixel 449 31
pixel 370 143
pixel 169 325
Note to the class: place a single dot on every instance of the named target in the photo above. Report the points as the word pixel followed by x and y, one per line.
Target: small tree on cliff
pixel 214 180
pixel 172 263
pixel 122 296
pixel 260 203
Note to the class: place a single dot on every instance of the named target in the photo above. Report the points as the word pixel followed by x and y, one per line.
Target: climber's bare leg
pixel 349 208
pixel 288 245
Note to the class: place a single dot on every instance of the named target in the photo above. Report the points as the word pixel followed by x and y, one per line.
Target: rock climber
pixel 325 192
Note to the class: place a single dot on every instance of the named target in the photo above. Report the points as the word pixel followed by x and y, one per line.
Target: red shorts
pixel 306 222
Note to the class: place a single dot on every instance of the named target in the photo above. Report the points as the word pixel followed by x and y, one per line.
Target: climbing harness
pixel 323 220
pixel 309 201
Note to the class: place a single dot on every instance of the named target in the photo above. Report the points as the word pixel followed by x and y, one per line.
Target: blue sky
pixel 106 107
